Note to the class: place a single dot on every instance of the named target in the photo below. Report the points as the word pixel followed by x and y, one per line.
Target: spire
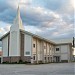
pixel 18 13
pixel 18 20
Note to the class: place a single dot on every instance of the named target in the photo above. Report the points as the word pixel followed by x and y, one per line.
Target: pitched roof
pixel 64 43
pixel 34 35
pixel 4 35
pixel 39 37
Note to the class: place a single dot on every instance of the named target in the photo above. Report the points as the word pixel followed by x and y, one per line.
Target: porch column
pixel 43 51
pixel 36 51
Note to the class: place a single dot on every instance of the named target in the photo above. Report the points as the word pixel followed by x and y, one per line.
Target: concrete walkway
pixel 45 69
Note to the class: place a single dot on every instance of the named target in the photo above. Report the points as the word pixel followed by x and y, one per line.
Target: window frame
pixel 27 53
pixel 33 45
pixel 57 49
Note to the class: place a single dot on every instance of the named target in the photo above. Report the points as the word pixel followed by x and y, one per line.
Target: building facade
pixel 19 44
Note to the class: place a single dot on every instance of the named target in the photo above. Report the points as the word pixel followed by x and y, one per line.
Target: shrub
pixel 20 61
pixel 13 63
pixel 6 62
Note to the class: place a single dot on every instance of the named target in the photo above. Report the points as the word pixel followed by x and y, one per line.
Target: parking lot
pixel 44 69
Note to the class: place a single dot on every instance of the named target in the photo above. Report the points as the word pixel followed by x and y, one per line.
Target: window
pixel 45 58
pixel 27 53
pixel 48 58
pixel 34 45
pixel 57 49
pixel 34 57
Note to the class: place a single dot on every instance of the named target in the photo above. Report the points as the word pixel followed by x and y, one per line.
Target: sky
pixel 52 19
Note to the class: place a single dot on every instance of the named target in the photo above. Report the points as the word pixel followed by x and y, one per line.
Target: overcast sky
pixel 52 19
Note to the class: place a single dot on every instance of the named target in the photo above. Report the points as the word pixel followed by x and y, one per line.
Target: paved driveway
pixel 45 69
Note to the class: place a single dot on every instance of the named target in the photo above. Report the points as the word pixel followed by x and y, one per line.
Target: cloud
pixel 49 18
pixel 4 30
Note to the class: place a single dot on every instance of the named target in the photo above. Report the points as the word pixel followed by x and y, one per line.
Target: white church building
pixel 19 44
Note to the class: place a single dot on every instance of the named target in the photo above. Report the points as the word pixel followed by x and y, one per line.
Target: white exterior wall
pixel 14 43
pixel 59 49
pixel 5 46
pixel 34 49
pixel 45 52
pixel 64 48
pixel 39 50
pixel 48 49
pixel 52 50
pixel 64 52
pixel 64 57
pixel 27 44
pixel 14 49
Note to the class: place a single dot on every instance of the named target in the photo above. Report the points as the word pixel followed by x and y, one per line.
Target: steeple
pixel 18 20
pixel 18 13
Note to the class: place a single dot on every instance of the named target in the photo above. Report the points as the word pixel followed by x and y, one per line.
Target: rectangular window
pixel 34 57
pixel 48 58
pixel 57 49
pixel 45 58
pixel 34 45
pixel 27 53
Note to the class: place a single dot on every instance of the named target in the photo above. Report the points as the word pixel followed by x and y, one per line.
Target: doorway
pixel 57 59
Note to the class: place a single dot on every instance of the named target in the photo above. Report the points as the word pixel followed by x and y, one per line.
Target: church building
pixel 19 44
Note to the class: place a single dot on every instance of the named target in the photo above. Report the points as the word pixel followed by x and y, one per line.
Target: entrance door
pixel 57 59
